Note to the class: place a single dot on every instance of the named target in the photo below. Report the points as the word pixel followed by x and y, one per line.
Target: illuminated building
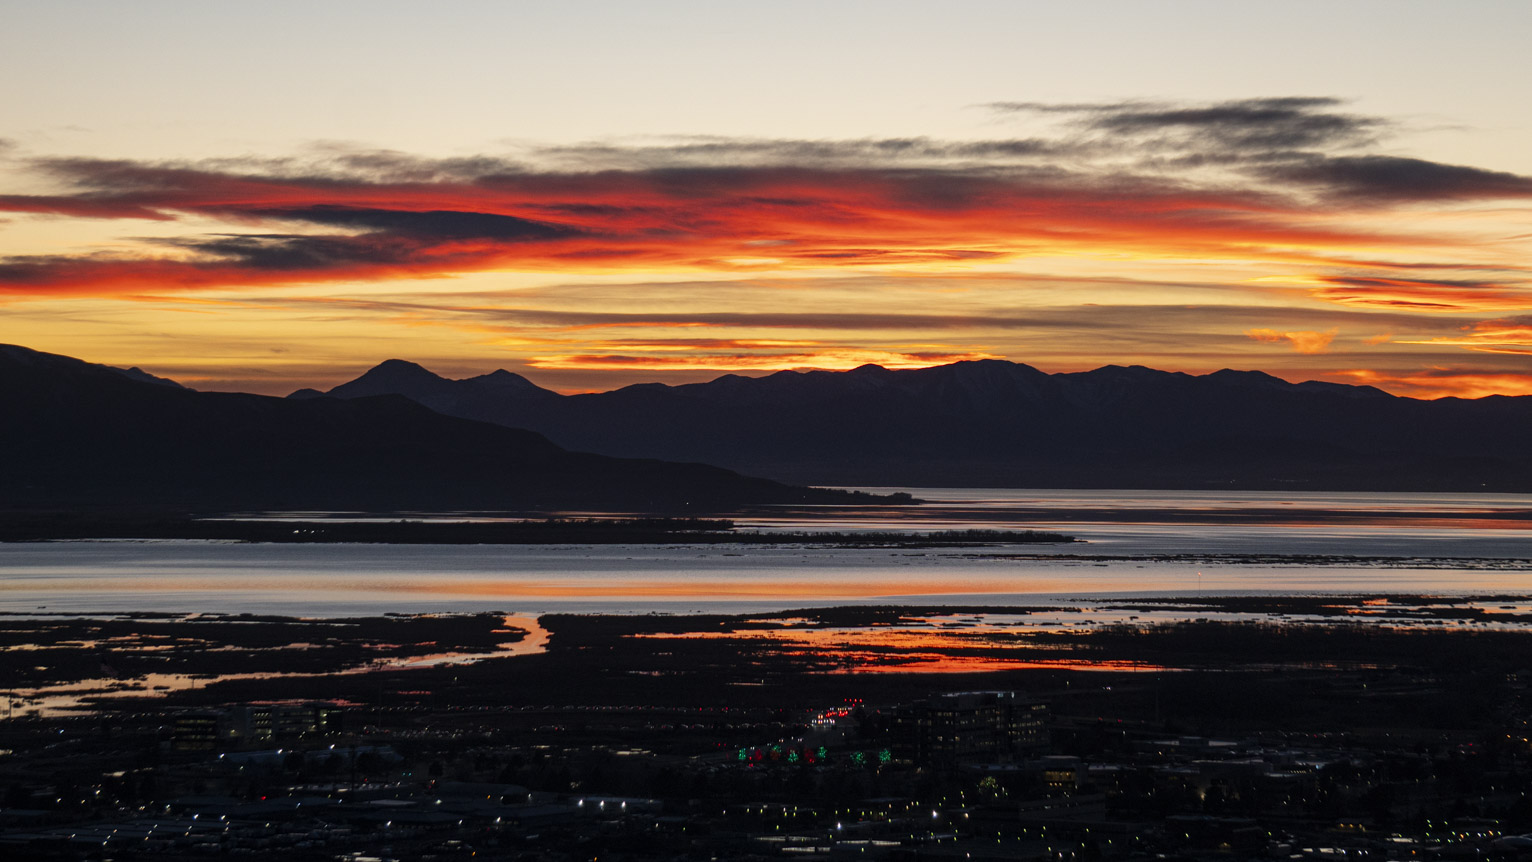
pixel 969 727
pixel 195 731
pixel 261 722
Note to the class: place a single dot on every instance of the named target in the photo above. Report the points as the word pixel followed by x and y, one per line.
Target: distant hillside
pixel 83 435
pixel 996 423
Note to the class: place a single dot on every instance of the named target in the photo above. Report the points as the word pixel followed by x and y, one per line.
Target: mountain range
pixel 1004 424
pixel 77 435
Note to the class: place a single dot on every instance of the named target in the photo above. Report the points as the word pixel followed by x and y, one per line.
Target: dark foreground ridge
pixel 79 436
pixel 651 737
pixel 549 531
pixel 994 423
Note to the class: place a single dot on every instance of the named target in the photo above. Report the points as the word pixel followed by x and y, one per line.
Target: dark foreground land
pixel 1363 728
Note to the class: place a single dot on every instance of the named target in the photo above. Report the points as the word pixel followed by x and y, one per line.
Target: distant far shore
pixel 545 531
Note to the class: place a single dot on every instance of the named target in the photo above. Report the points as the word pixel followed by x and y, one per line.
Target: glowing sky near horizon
pixel 597 194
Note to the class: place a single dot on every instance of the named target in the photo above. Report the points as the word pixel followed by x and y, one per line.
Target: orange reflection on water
pixel 884 650
pixel 940 663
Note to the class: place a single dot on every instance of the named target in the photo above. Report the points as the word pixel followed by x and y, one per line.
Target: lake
pixel 1134 542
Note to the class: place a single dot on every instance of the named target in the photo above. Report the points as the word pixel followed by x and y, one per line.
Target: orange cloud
pixel 1489 336
pixel 668 344
pixel 1442 382
pixel 836 360
pixel 1302 341
pixel 1403 294
pixel 288 228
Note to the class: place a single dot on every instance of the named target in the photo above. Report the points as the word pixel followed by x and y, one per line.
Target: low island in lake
pixel 540 531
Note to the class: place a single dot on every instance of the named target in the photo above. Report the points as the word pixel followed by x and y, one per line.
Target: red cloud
pixel 1404 294
pixel 320 228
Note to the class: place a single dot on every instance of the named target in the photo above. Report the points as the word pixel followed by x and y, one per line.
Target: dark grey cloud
pixel 298 252
pixel 326 165
pixel 761 151
pixel 1239 152
pixel 30 269
pixel 385 239
pixel 392 166
pixel 1245 125
pixel 1299 143
pixel 122 176
pixel 340 164
pixel 390 238
pixel 1394 178
pixel 431 224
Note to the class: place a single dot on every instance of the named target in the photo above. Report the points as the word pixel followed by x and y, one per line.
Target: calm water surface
pixel 1148 543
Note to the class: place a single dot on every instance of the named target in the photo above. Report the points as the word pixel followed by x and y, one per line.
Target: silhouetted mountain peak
pixel 95 435
pixel 402 377
pixel 1262 380
pixel 985 369
pixel 987 363
pixel 996 422
pixel 502 380
pixel 1122 375
pixel 1247 378
pixel 393 377
pixel 400 370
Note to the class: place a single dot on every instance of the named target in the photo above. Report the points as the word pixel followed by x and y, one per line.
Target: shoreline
pixel 547 531
pixel 167 661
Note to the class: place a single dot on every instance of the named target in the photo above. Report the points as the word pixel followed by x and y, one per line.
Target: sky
pixel 263 197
